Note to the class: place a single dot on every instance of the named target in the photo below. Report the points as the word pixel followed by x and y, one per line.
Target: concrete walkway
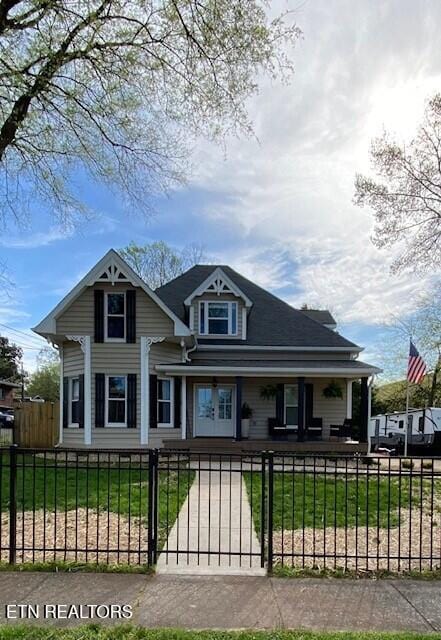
pixel 214 532
pixel 236 602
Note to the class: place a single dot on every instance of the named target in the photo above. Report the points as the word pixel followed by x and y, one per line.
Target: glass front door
pixel 214 411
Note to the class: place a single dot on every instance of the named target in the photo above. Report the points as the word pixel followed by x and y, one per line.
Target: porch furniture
pixel 279 431
pixel 342 430
pixel 314 429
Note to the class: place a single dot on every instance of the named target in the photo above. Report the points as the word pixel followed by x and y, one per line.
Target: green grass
pixel 95 632
pixel 119 489
pixel 75 567
pixel 302 500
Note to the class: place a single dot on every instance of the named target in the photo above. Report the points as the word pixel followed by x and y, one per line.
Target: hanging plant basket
pixel 333 390
pixel 268 392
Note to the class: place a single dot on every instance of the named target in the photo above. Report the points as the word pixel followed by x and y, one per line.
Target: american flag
pixel 416 367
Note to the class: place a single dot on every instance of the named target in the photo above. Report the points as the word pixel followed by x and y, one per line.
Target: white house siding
pixel 331 410
pixel 227 297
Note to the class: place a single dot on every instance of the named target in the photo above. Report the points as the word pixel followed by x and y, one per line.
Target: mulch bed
pixel 67 535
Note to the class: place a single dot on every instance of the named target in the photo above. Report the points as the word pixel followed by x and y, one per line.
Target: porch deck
pixel 226 445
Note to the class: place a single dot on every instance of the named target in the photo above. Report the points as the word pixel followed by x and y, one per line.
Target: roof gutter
pixel 250 347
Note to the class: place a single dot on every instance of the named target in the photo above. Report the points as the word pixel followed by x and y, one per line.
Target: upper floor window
pixel 218 318
pixel 115 316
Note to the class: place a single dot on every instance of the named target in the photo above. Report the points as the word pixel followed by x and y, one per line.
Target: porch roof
pixel 251 368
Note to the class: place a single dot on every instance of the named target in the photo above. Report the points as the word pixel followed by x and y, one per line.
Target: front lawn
pixel 96 632
pixel 122 488
pixel 304 500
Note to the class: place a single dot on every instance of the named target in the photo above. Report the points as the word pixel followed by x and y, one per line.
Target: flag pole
pixel 407 419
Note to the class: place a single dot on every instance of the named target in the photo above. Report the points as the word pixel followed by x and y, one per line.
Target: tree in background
pixel 157 263
pixel 45 381
pixel 10 361
pixel 406 193
pixel 424 328
pixel 119 90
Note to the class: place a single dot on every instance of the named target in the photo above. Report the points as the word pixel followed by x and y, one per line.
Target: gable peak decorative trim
pixel 116 270
pixel 113 274
pixel 218 283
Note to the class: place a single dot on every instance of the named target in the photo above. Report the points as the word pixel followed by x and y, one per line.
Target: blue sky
pixel 277 207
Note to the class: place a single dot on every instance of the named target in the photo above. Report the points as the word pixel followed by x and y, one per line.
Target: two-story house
pixel 143 368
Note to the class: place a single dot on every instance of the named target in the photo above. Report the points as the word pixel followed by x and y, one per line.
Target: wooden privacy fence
pixel 37 424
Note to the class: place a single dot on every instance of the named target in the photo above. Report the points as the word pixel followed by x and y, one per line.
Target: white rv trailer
pixel 423 435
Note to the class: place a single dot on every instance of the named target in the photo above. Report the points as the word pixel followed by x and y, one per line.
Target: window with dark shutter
pixel 131 400
pixel 99 399
pixel 65 402
pixel 153 392
pixel 177 403
pixel 280 408
pixel 131 315
pixel 99 315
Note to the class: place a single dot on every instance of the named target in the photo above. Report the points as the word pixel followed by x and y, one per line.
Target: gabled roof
pixel 320 315
pixel 271 322
pixel 218 282
pixel 111 268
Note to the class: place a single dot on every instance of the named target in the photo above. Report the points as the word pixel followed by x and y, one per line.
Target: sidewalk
pixel 236 602
pixel 216 518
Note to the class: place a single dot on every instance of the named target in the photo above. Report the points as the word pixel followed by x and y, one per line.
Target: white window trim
pixel 70 424
pixel 230 304
pixel 113 425
pixel 285 405
pixel 171 424
pixel 114 315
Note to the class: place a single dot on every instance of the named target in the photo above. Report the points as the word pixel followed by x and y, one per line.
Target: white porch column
pixel 349 398
pixel 183 408
pixel 85 343
pixel 146 343
pixel 145 391
pixel 60 436
pixel 87 391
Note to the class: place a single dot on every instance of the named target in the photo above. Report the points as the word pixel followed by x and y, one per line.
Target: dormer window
pixel 115 317
pixel 218 318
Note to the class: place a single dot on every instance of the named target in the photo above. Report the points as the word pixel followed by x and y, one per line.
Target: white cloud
pixel 288 199
pixel 32 240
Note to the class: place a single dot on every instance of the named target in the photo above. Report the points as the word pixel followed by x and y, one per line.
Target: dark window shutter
pixel 131 400
pixel 100 398
pixel 280 404
pixel 309 403
pixel 99 315
pixel 81 402
pixel 177 403
pixel 65 402
pixel 131 315
pixel 153 401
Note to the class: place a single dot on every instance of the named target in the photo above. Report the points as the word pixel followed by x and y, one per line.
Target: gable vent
pixel 113 274
pixel 218 286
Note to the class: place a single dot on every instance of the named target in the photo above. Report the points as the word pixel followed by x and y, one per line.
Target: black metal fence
pixel 245 511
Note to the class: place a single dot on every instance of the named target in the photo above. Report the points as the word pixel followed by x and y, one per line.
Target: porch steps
pixel 225 445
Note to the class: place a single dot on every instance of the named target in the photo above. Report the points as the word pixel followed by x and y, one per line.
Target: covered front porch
pixel 282 412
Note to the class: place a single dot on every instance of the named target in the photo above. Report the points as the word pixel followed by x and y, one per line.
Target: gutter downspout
pixel 193 348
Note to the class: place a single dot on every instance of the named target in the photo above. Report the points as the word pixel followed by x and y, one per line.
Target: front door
pixel 214 411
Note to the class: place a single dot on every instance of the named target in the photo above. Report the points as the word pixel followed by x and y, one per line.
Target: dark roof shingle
pixel 271 321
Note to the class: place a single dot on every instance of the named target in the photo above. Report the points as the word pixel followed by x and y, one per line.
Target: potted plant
pixel 333 390
pixel 245 415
